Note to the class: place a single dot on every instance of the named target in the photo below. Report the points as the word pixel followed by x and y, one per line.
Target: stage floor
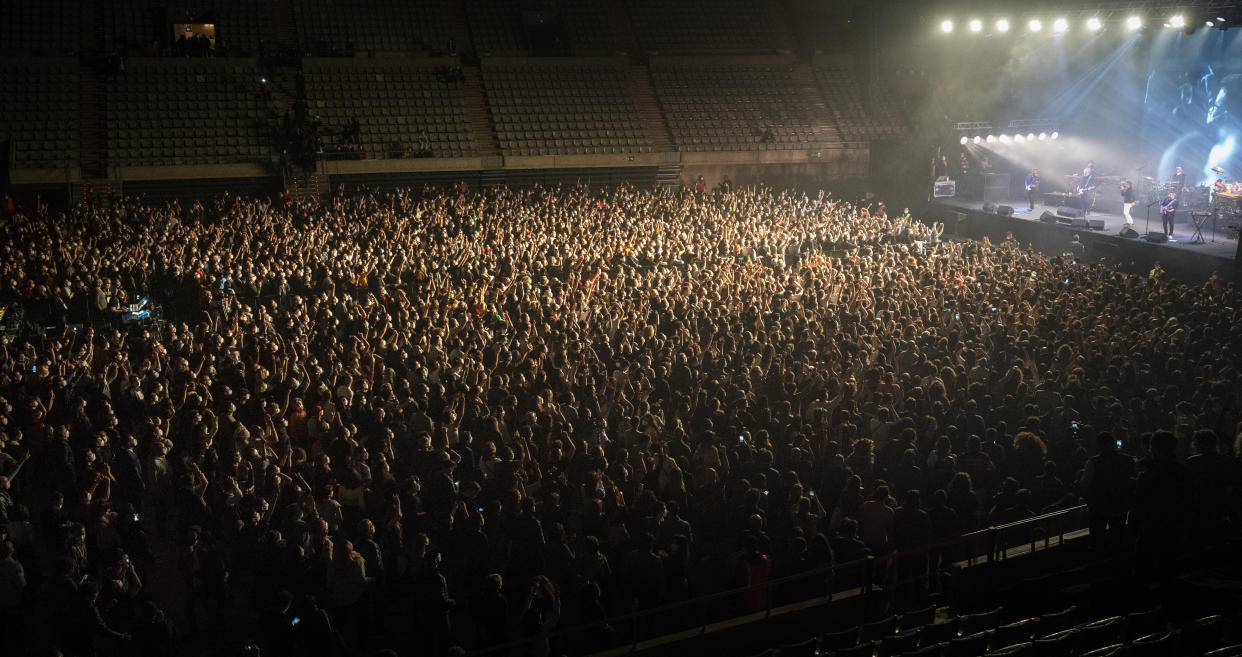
pixel 1222 246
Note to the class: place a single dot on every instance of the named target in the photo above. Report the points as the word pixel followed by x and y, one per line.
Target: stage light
pixel 1002 25
pixel 1020 139
pixel 1005 139
pixel 1035 25
pixel 1209 24
pixel 1177 21
pixel 946 26
pixel 1134 23
pixel 977 139
pixel 976 25
pixel 1030 136
pixel 1055 135
pixel 991 139
pixel 1043 136
pixel 1093 24
pixel 1060 25
pixel 964 140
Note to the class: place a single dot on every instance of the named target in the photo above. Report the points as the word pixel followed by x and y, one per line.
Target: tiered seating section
pixel 713 106
pixel 504 27
pixel 1069 633
pixel 394 102
pixel 563 108
pixel 188 111
pixel 39 111
pixel 42 27
pixel 857 119
pixel 375 25
pixel 683 26
pixel 240 24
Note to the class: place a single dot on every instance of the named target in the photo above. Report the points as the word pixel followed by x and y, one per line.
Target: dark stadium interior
pixel 557 328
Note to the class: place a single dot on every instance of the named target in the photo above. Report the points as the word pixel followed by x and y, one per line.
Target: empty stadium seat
pixel 188 111
pixel 918 618
pixel 564 107
pixel 39 112
pixel 395 103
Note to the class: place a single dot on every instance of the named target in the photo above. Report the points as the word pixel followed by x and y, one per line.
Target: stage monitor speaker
pixel 1047 218
pixel 1129 232
pixel 1158 238
pixel 1095 224
pixel 989 207
pixel 1066 211
pixel 1004 210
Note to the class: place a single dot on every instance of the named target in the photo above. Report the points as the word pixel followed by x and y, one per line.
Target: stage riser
pixel 1053 239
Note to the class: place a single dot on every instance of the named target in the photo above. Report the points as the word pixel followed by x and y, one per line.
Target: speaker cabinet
pixel 1004 210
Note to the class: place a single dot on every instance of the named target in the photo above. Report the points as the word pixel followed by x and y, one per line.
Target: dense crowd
pixel 424 420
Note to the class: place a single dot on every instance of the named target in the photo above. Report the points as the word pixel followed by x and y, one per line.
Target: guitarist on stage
pixel 1086 186
pixel 1032 186
pixel 1168 211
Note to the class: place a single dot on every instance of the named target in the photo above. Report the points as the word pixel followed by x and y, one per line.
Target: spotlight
pixel 1002 25
pixel 1134 23
pixel 1030 136
pixel 1209 24
pixel 976 25
pixel 946 26
pixel 964 140
pixel 977 139
pixel 1093 24
pixel 1060 25
pixel 1043 136
pixel 1055 135
pixel 1005 139
pixel 1177 21
pixel 1035 25
pixel 1020 139
pixel 991 139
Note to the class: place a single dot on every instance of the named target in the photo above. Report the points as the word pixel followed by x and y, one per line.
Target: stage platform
pixel 1181 258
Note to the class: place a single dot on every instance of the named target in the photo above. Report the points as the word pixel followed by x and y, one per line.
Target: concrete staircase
pixel 284 26
pixel 649 111
pixel 622 28
pixel 478 115
pixel 825 126
pixel 93 123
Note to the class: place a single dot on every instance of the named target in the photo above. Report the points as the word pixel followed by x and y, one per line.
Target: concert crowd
pixel 419 422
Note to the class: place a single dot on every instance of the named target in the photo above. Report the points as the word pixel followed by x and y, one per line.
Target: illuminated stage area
pixel 1100 109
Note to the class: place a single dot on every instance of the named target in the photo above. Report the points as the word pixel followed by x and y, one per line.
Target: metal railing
pixel 879 580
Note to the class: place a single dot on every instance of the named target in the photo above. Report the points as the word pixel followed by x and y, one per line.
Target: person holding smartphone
pixel 1108 480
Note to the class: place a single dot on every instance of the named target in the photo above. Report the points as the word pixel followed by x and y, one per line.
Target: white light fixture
pixel 946 26
pixel 976 25
pixel 1035 25
pixel 1020 139
pixel 1002 25
pixel 1093 24
pixel 977 139
pixel 1134 23
pixel 1060 25
pixel 1177 21
pixel 1055 135
pixel 1210 24
pixel 1043 136
pixel 991 139
pixel 1005 139
pixel 1030 136
pixel 964 140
